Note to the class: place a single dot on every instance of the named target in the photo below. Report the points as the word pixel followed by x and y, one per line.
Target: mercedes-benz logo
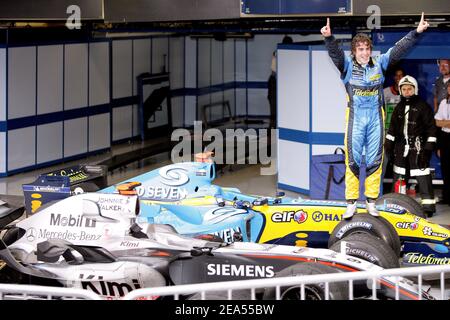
pixel 31 234
pixel 317 216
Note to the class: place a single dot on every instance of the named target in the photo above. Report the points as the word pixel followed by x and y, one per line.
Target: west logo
pixel 227 234
pixel 71 221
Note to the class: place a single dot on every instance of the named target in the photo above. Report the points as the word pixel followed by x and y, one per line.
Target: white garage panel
pixel 204 63
pixel 217 112
pixel 98 73
pixel 258 104
pixel 3 152
pixel 75 76
pixel 122 122
pixel 2 85
pixel 21 148
pixel 135 120
pixel 229 96
pixel 293 89
pixel 177 111
pixel 241 102
pixel 99 133
pixel 190 64
pixel 293 155
pixel 122 68
pixel 324 149
pixel 259 51
pixel 50 79
pixel 176 63
pixel 241 53
pixel 228 61
pixel 190 103
pixel 49 142
pixel 141 59
pixel 75 137
pixel 160 55
pixel 216 62
pixel 21 82
pixel 202 101
pixel 328 109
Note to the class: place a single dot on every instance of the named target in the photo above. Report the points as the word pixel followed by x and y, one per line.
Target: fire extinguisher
pixel 400 186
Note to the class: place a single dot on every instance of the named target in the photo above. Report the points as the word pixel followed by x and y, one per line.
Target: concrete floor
pixel 247 178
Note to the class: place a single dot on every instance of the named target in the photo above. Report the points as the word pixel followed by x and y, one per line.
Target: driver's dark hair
pixel 361 37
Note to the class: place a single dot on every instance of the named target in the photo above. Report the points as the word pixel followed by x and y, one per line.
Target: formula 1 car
pixel 92 241
pixel 182 195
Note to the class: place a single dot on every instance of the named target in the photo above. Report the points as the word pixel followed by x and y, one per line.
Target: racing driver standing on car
pixel 363 77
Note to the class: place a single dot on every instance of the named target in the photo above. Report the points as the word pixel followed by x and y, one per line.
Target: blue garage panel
pixel 315 6
pixel 261 7
pixel 278 7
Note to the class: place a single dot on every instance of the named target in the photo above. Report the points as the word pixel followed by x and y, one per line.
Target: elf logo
pixel 299 216
pixel 407 225
pixel 111 289
pixel 71 221
pixel 240 271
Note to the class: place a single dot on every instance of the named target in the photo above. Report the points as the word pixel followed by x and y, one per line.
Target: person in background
pixel 411 139
pixel 439 87
pixel 363 77
pixel 391 98
pixel 442 118
pixel 272 85
pixel 392 93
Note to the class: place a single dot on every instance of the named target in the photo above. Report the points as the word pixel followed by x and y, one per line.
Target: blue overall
pixel 364 114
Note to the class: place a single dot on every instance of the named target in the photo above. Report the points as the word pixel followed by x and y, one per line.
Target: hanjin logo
pixel 31 234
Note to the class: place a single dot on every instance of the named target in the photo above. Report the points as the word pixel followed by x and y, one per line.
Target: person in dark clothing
pixel 272 85
pixel 442 118
pixel 363 77
pixel 411 139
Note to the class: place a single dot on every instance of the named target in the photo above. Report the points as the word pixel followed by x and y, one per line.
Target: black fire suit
pixel 410 141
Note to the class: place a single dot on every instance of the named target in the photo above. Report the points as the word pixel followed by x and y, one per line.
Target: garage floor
pixel 247 178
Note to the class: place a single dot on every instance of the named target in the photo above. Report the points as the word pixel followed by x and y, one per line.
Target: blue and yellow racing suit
pixel 364 114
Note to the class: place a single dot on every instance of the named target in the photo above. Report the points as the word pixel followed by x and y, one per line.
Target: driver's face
pixel 362 52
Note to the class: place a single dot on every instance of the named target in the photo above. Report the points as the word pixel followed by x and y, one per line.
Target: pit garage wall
pixel 56 104
pixel 63 101
pixel 311 112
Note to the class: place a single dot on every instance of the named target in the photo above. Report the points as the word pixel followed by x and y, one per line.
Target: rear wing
pixel 60 184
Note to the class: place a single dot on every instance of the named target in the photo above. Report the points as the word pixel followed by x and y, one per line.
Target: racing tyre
pixel 402 200
pixel 367 224
pixel 369 248
pixel 337 290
